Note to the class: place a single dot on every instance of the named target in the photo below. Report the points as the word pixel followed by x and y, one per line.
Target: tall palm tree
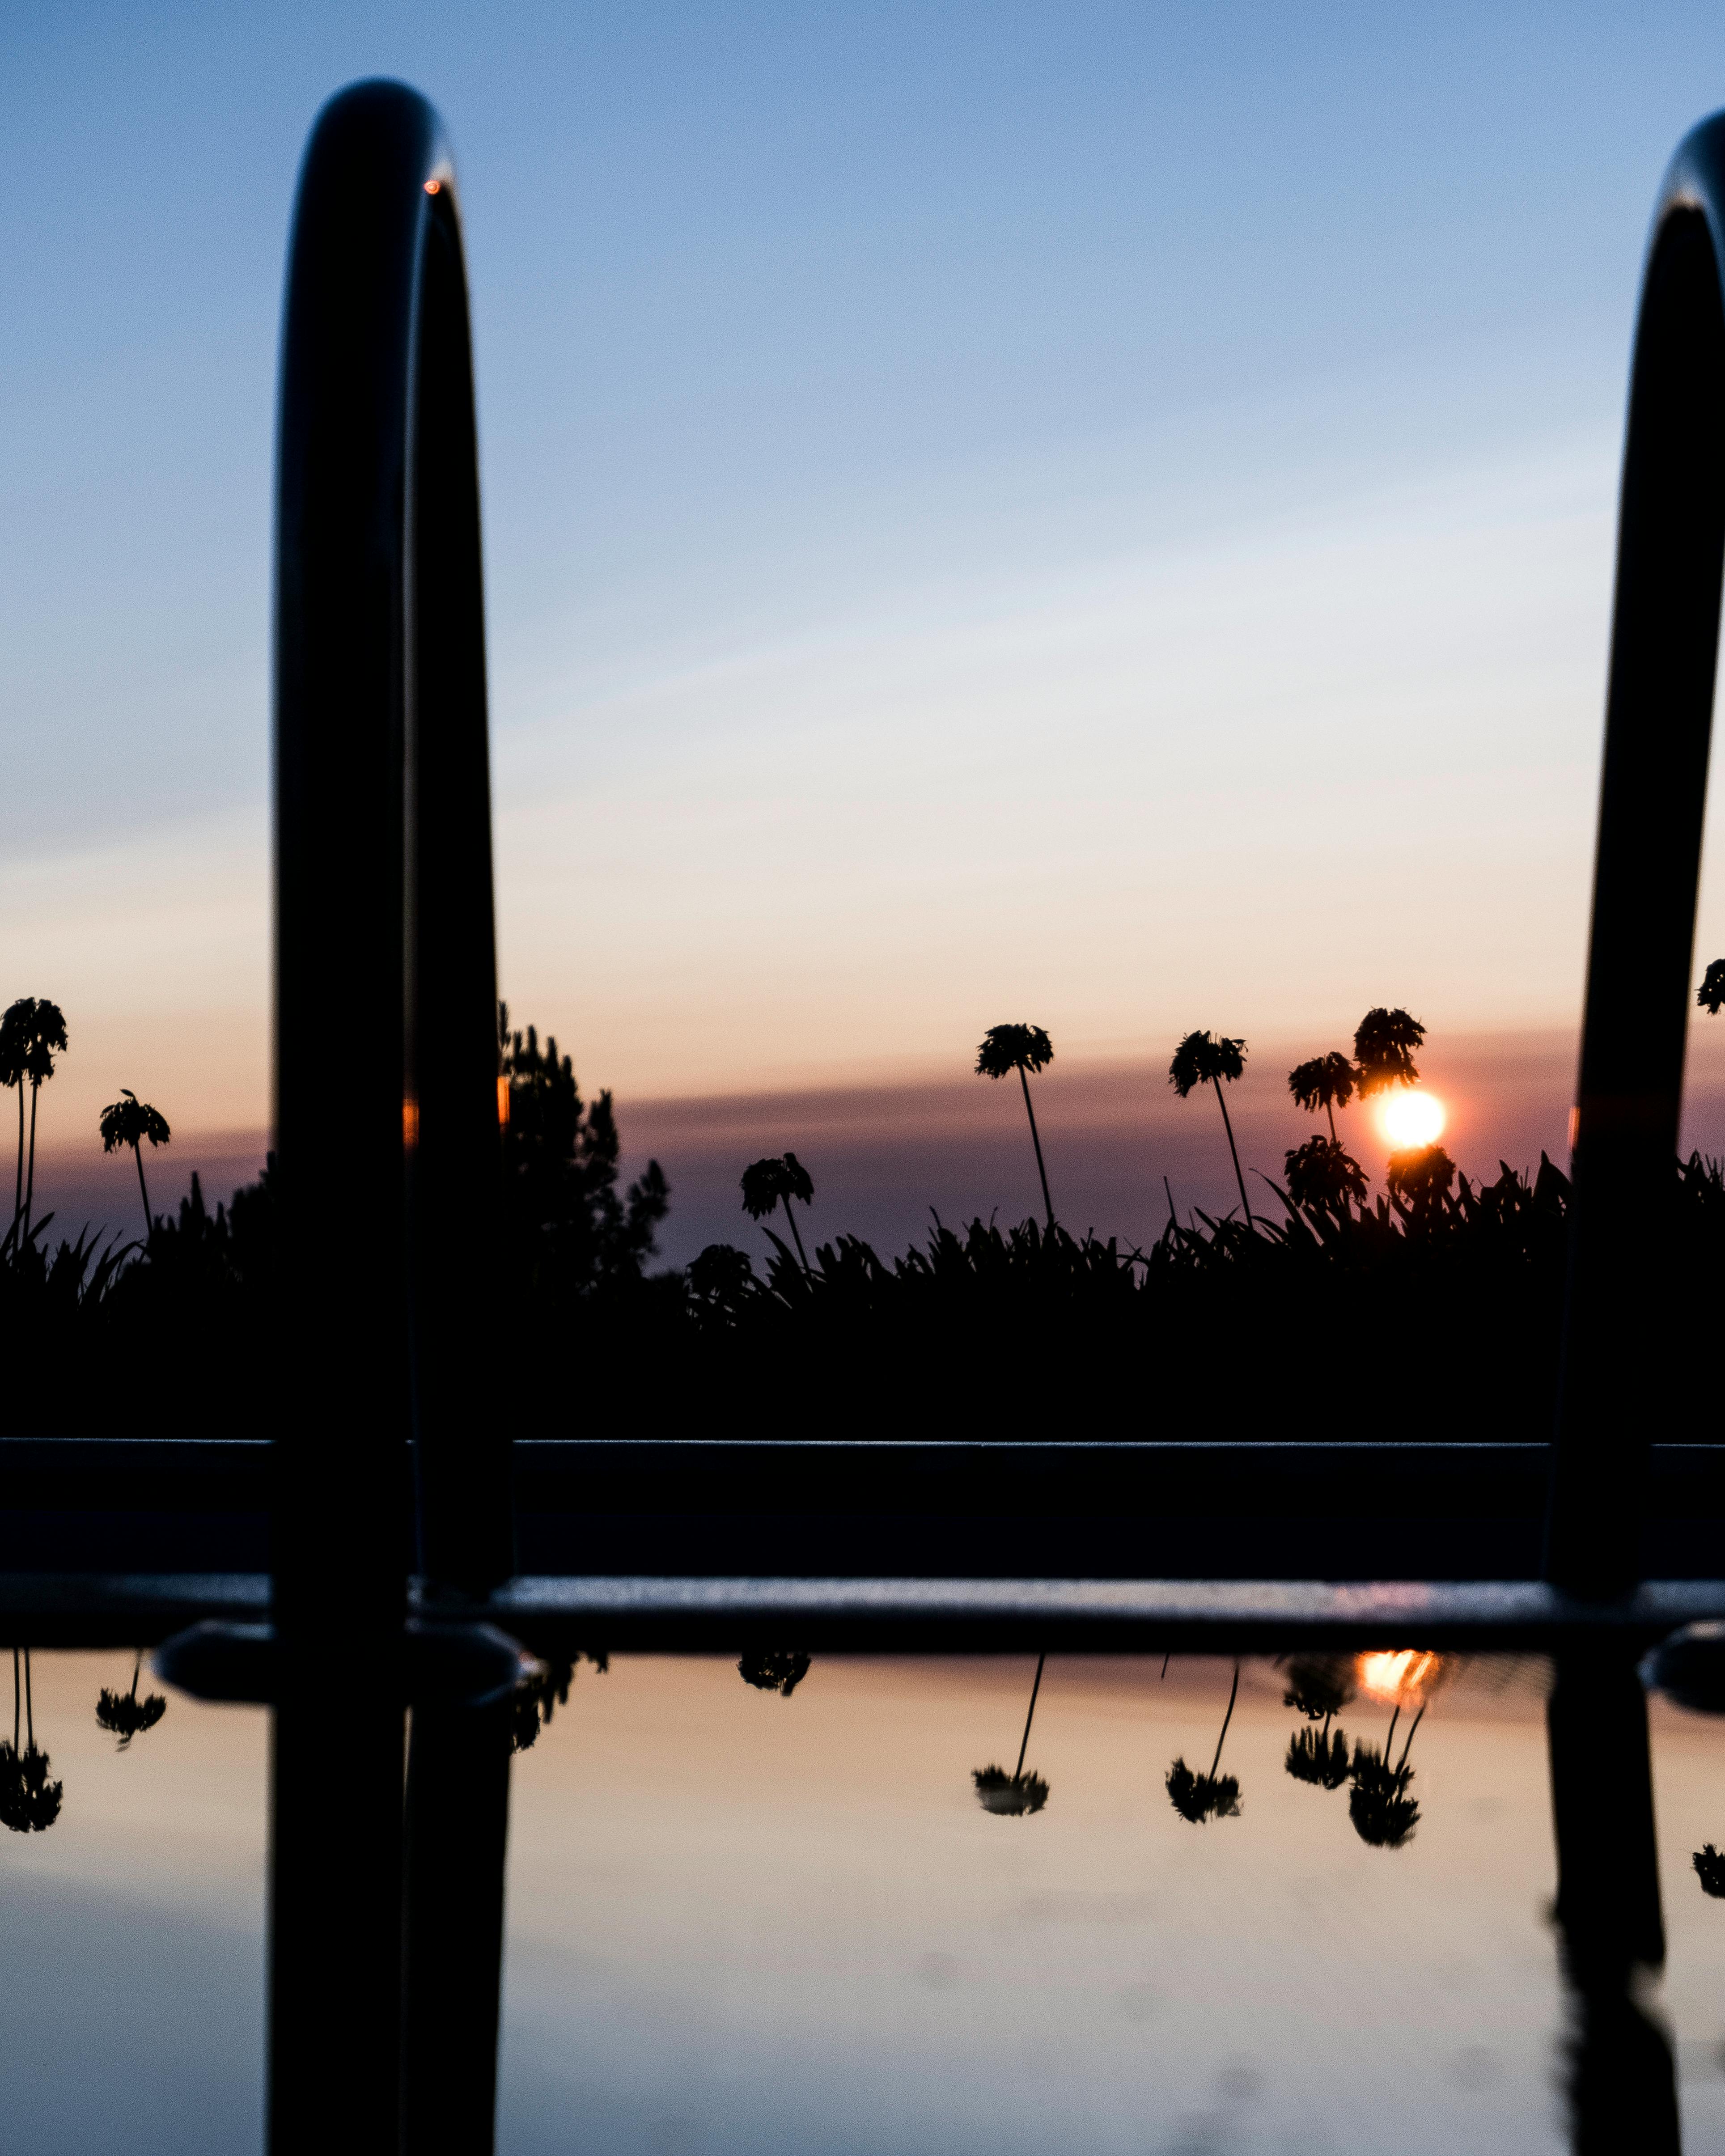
pixel 1384 1042
pixel 1198 1798
pixel 1027 1049
pixel 14 1057
pixel 128 1123
pixel 1199 1060
pixel 1328 1082
pixel 123 1714
pixel 44 1035
pixel 1012 1796
pixel 776 1182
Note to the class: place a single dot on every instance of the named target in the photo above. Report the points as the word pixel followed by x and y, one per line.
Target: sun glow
pixel 1411 1118
pixel 1401 1676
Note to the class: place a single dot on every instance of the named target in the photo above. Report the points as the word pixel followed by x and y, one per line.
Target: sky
pixel 1095 516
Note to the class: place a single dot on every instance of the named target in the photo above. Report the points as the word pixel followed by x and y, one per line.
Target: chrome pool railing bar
pixel 385 1925
pixel 1620 1365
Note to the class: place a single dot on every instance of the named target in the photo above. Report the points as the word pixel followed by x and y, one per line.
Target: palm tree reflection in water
pixel 1382 1813
pixel 536 1698
pixel 1011 1796
pixel 1320 1689
pixel 1199 1798
pixel 124 1714
pixel 773 1669
pixel 30 1803
pixel 1710 1868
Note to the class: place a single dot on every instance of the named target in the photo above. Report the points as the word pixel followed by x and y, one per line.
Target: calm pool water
pixel 740 1921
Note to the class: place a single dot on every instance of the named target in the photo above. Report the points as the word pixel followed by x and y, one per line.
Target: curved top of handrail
pixel 386 1049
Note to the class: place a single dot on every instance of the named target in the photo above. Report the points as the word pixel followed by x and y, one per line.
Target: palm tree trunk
pixel 1329 1111
pixel 1226 1719
pixel 1235 1150
pixel 30 1708
pixel 136 1665
pixel 18 1200
pixel 1047 1202
pixel 14 1699
pixel 30 1179
pixel 1407 1747
pixel 791 1218
pixel 1390 1739
pixel 138 1155
pixel 1029 1718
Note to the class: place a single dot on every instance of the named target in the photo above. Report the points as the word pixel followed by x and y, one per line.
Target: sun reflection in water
pixel 1403 1676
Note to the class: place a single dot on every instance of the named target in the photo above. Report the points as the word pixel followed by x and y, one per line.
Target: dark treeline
pixel 1433 1314
pixel 1431 1310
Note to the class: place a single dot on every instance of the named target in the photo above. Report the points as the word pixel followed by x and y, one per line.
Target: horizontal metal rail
pixel 721 1508
pixel 671 1614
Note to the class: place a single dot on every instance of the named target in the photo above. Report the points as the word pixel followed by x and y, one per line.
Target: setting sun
pixel 1411 1118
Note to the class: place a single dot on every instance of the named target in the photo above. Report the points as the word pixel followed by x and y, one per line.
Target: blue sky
pixel 1101 510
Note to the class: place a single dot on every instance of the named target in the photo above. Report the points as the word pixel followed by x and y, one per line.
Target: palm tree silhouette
pixel 14 1056
pixel 44 1033
pixel 1384 1045
pixel 1199 1060
pixel 1328 1082
pixel 776 1182
pixel 1198 1798
pixel 1012 1796
pixel 30 1803
pixel 123 1714
pixel 1382 1813
pixel 774 1670
pixel 1027 1049
pixel 1710 995
pixel 128 1123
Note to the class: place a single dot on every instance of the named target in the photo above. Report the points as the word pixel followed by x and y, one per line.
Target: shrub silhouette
pixel 1322 1173
pixel 1420 1177
pixel 1027 1049
pixel 1709 1864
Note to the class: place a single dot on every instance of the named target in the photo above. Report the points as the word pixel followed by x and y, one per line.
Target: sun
pixel 1411 1118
